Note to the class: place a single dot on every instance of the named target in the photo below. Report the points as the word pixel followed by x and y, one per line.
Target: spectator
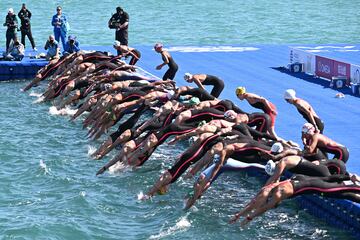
pixel 16 51
pixel 25 16
pixel 120 22
pixel 61 26
pixel 12 24
pixel 71 46
pixel 52 47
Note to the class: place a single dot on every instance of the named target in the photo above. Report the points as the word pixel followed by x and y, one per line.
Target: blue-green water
pixel 48 184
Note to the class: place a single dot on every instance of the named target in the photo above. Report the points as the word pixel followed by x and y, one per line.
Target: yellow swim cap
pixel 240 91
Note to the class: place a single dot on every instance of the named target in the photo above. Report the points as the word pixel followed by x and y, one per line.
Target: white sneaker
pixel 35 49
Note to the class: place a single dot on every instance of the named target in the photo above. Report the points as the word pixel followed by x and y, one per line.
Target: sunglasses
pixel 58 9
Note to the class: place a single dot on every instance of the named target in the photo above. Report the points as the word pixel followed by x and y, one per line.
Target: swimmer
pixel 335 186
pixel 126 51
pixel 305 109
pixel 259 102
pixel 168 60
pixel 204 79
pixel 323 143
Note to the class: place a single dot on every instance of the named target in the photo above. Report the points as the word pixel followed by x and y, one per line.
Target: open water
pixel 48 187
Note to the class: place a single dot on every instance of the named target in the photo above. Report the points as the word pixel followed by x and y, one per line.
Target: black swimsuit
pixel 173 67
pixel 216 82
pixel 331 186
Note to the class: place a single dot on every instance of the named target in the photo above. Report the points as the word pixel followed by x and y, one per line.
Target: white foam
pixel 64 111
pixel 39 99
pixel 181 225
pixel 91 150
pixel 34 94
pixel 142 196
pixel 44 167
pixel 212 49
pixel 118 167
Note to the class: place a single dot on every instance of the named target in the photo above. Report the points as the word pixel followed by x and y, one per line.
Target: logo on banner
pixel 324 68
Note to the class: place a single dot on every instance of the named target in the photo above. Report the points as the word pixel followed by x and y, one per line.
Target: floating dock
pixel 261 69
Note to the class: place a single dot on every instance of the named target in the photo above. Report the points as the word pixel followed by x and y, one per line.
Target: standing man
pixel 12 24
pixel 25 16
pixel 120 22
pixel 60 24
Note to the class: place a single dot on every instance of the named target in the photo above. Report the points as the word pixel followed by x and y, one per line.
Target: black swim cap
pixel 119 9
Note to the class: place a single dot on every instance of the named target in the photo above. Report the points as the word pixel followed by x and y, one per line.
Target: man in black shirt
pixel 25 16
pixel 120 22
pixel 11 23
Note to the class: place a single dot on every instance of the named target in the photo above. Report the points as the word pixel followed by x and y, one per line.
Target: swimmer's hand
pixel 158 67
pixel 234 218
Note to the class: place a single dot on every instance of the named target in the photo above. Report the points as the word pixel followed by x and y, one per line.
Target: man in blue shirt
pixel 71 46
pixel 60 24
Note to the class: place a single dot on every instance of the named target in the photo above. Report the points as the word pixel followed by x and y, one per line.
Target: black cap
pixel 119 9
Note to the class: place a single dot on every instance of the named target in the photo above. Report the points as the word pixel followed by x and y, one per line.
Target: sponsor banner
pixel 301 56
pixel 355 74
pixel 324 67
pixel 341 69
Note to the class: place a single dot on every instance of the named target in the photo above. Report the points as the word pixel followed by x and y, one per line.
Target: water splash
pixel 118 167
pixel 39 99
pixel 44 167
pixel 181 225
pixel 142 196
pixel 91 150
pixel 64 111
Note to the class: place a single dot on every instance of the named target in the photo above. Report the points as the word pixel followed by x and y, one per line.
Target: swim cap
pixel 277 148
pixel 231 114
pixel 187 76
pixel 308 128
pixel 240 91
pixel 107 86
pixel 270 167
pixel 202 123
pixel 11 10
pixel 162 190
pixel 289 94
pixel 170 94
pixel 216 158
pixel 192 139
pixel 194 101
pixel 158 45
pixel 117 44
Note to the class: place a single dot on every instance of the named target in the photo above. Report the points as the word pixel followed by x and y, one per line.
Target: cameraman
pixel 120 22
pixel 12 24
pixel 25 16
pixel 71 46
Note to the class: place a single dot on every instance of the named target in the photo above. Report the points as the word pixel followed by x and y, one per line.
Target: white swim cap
pixel 216 158
pixel 11 10
pixel 187 76
pixel 231 114
pixel 170 94
pixel 270 167
pixel 117 44
pixel 192 139
pixel 290 94
pixel 277 148
pixel 308 128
